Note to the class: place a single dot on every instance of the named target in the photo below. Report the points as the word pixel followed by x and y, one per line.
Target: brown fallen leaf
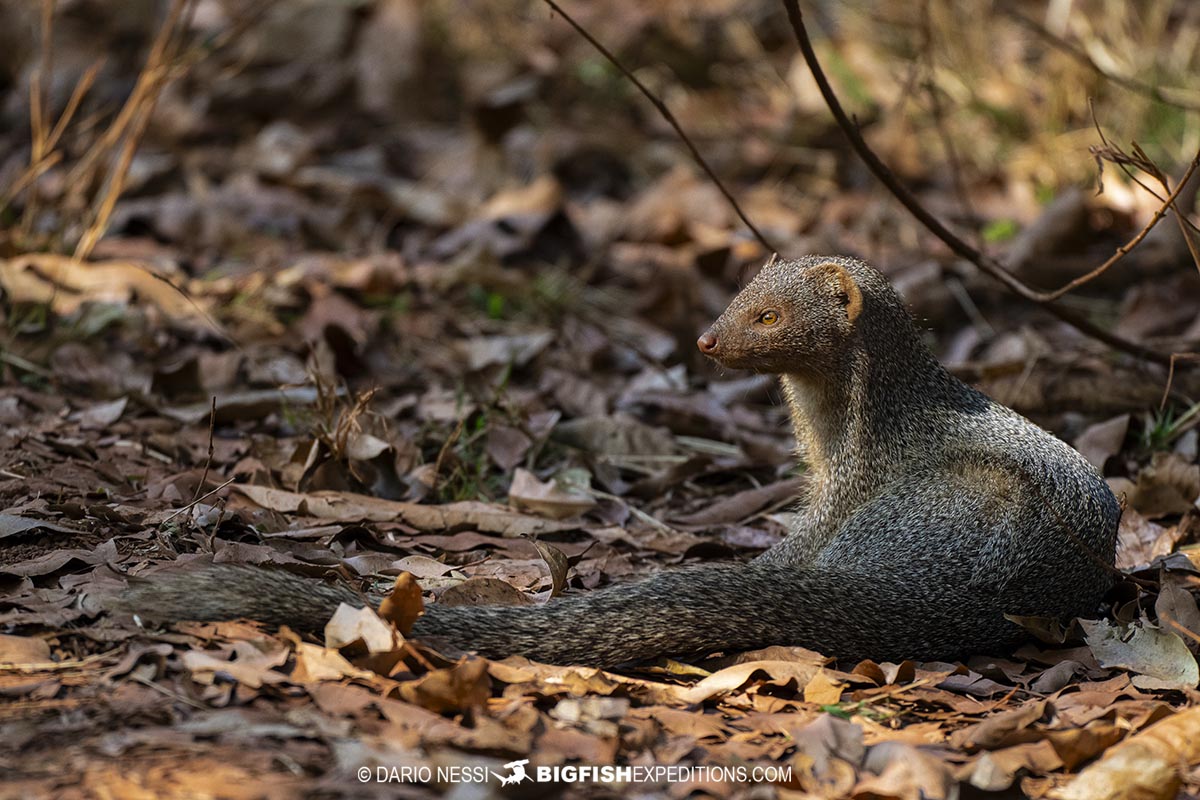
pixel 507 445
pixel 1077 745
pixel 350 625
pixel 997 770
pixel 13 525
pixel 829 752
pixel 248 404
pixel 484 592
pixel 556 560
pixel 403 604
pixel 23 650
pixel 903 771
pixel 462 687
pixel 552 498
pixel 1176 609
pixel 1145 766
pixel 1140 541
pixel 1159 657
pixel 517 350
pixel 314 664
pixel 1005 729
pixel 252 667
pixel 823 690
pixel 351 507
pixel 744 505
pixel 616 435
pixel 1102 441
pixel 101 415
pixel 730 679
pixel 66 284
pixel 1167 485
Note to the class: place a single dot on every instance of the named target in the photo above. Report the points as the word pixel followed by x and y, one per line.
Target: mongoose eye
pixel 768 318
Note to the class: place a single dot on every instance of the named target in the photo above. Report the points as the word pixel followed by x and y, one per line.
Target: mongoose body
pixel 933 513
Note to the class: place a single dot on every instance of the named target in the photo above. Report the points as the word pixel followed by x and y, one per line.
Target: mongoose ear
pixel 846 288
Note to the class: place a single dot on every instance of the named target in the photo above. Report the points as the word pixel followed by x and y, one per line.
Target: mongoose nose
pixel 707 343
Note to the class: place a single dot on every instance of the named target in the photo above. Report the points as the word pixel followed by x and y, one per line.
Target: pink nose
pixel 707 343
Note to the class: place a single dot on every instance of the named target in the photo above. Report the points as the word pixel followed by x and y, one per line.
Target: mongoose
pixel 932 513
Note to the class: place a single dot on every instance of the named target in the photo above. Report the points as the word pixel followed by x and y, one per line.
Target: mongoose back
pixel 932 513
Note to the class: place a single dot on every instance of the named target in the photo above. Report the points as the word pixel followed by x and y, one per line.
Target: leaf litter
pixel 456 365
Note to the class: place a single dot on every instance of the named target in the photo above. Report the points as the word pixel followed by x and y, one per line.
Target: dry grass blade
pixel 107 160
pixel 131 123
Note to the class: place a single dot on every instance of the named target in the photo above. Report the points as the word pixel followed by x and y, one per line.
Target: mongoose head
pixel 795 316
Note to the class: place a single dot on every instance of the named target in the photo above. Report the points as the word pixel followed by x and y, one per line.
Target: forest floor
pixel 393 290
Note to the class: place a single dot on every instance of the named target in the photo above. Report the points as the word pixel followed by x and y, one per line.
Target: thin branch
pixel 197 501
pixel 957 245
pixel 1124 249
pixel 670 118
pixel 212 428
pixel 1077 53
pixel 1162 404
pixel 939 119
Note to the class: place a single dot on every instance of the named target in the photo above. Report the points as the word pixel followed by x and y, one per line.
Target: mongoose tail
pixel 236 591
pixel 933 512
pixel 731 607
pixel 706 609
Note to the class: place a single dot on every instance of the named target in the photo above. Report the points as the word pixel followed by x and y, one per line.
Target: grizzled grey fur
pixel 932 512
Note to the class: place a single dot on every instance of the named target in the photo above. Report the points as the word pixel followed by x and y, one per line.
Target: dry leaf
pixel 252 667
pixel 548 498
pixel 315 664
pixel 23 650
pixel 1160 657
pixel 350 625
pixel 556 560
pixel 823 690
pixel 1102 441
pixel 66 284
pixel 1177 611
pixel 484 592
pixel 1168 485
pixel 404 604
pixel 461 687
pixel 730 679
pixel 351 507
pixel 1140 541
pixel 1143 767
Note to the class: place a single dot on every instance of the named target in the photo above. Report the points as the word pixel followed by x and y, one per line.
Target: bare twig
pixel 1124 249
pixel 670 118
pixel 957 245
pixel 1162 404
pixel 939 118
pixel 441 456
pixel 199 499
pixel 212 427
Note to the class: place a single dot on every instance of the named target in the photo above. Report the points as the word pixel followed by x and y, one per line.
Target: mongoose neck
pixel 851 420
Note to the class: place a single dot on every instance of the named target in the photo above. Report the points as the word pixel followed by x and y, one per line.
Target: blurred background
pixel 466 210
